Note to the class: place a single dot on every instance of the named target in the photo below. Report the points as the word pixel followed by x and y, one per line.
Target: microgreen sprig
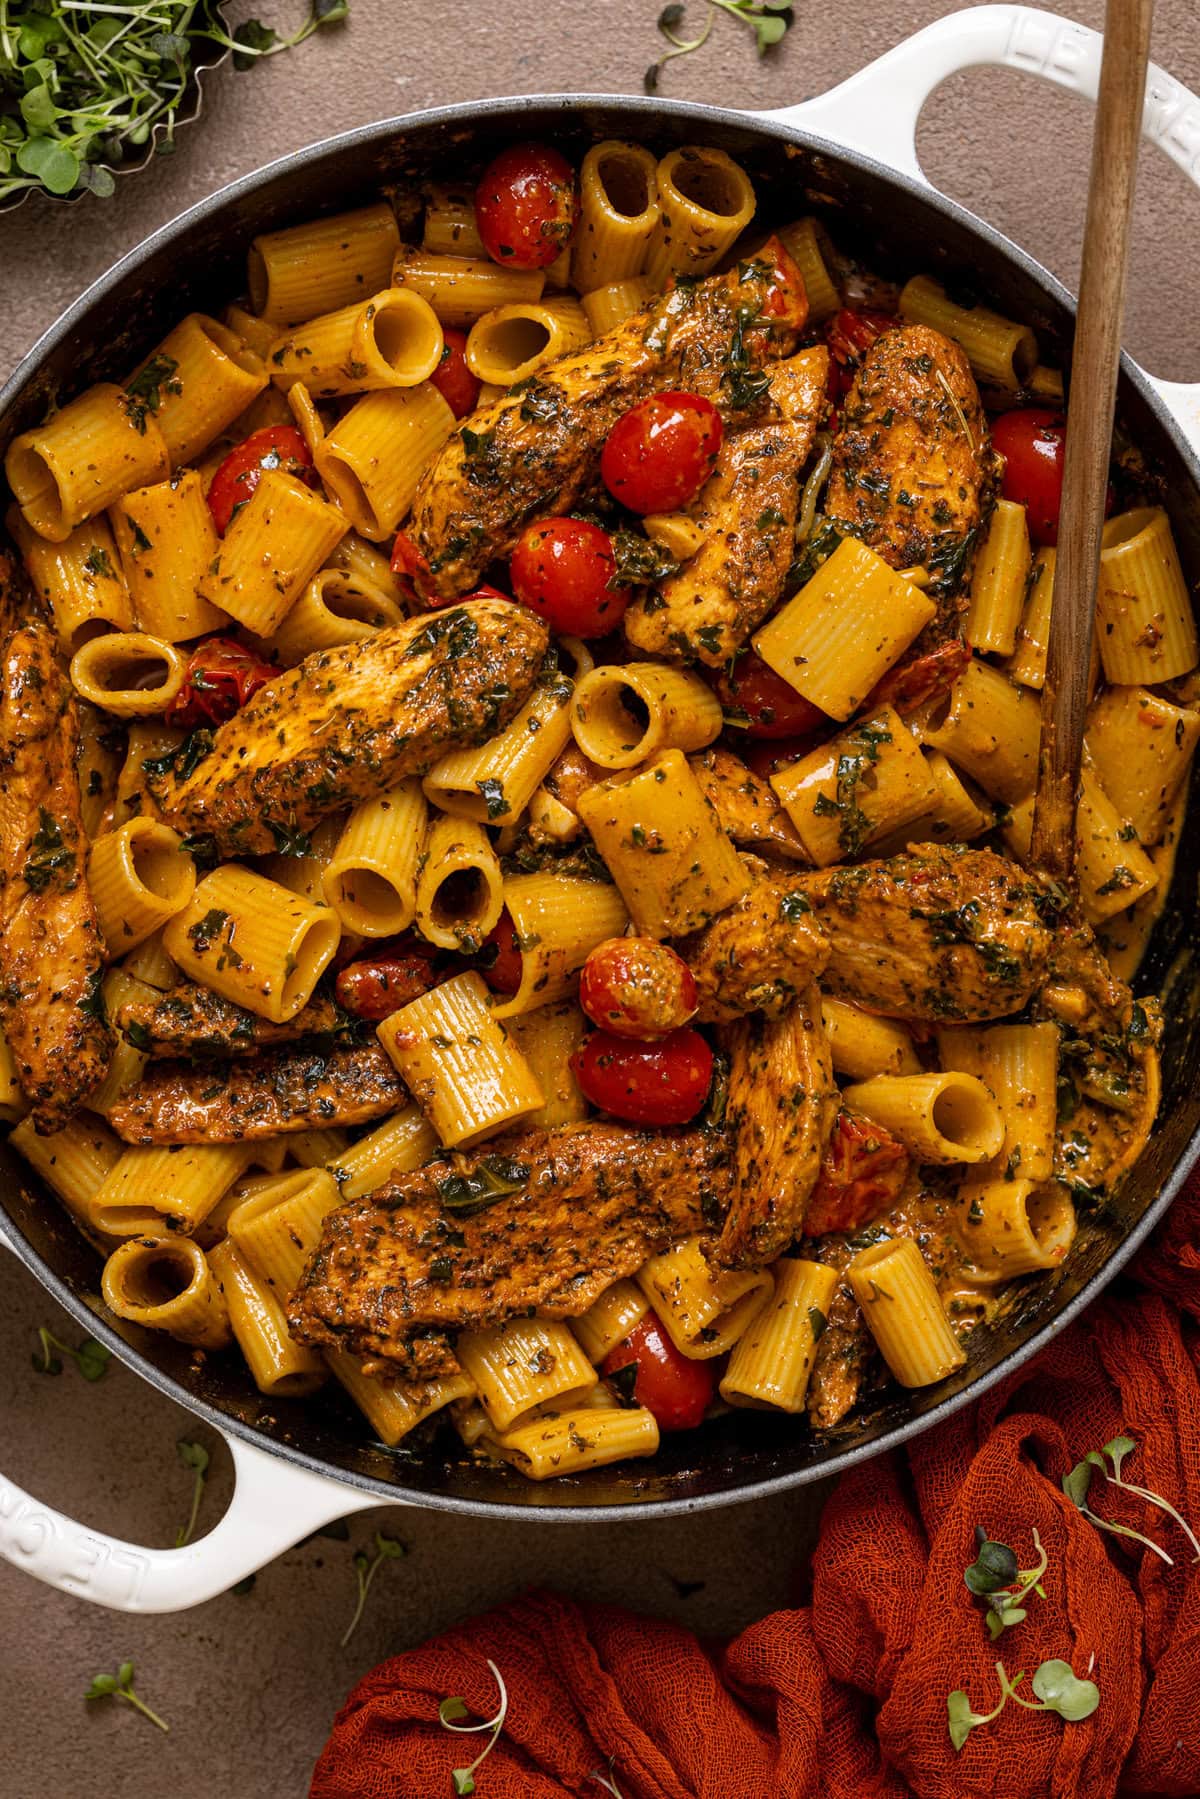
pixel 120 1686
pixel 194 1457
pixel 387 1549
pixel 1077 1487
pixel 91 1358
pixel 452 1710
pixel 995 1576
pixel 770 21
pixel 607 1780
pixel 1058 1689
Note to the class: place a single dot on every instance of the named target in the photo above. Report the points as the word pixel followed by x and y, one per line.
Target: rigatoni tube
pixel 904 1314
pixel 202 377
pixel 772 1361
pixel 704 1309
pixel 371 878
pixel 165 1283
pixel 253 942
pixel 316 267
pixel 168 541
pixel 1011 1227
pixel 374 456
pixel 941 1117
pixel 391 340
pixel 82 459
pixel 558 922
pixel 705 202
pixel 461 1067
pixel 521 1364
pixel 623 713
pixel 275 545
pixel 609 1319
pixel 79 580
pixel 128 673
pixel 575 1438
pixel 1144 619
pixel 140 877
pixel 278 1366
pixel 867 783
pixel 617 214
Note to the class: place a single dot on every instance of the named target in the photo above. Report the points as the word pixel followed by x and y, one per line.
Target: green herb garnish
pixel 1077 1484
pixel 194 1457
pixel 995 1576
pixel 387 1549
pixel 91 1358
pixel 452 1711
pixel 769 20
pixel 1056 1684
pixel 120 1686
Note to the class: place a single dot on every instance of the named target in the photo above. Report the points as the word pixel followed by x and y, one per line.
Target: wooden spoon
pixel 1094 368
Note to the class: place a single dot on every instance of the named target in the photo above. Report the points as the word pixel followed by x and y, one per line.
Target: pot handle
pixel 876 110
pixel 274 1504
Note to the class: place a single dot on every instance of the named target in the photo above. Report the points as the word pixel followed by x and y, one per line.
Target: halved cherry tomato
pixel 452 378
pixel 221 676
pixel 763 703
pixel 862 1173
pixel 376 986
pixel 525 206
pixel 785 303
pixel 1033 443
pixel 637 987
pixel 660 453
pixel 501 970
pixel 926 677
pixel 407 559
pixel 675 1387
pixel 850 334
pixel 562 568
pixel 646 1083
pixel 275 446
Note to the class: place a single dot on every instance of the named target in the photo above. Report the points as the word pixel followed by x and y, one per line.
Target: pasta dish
pixel 518 746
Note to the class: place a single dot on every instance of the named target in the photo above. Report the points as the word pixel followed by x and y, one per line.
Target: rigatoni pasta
pixel 705 201
pixel 86 456
pixel 867 783
pixel 392 339
pixel 462 288
pixel 168 543
pixel 372 459
pixel 276 543
pixel 495 782
pixel 198 380
pixel 772 1361
pixel 79 579
pixel 900 1303
pixel 165 1283
pixel 459 889
pixel 461 1066
pixel 316 267
pixel 140 876
pixel 1144 621
pixel 129 673
pixel 617 214
pixel 1000 350
pixel 371 879
pixel 946 1117
pixel 512 342
pixel 557 920
pixel 624 713
pixel 253 941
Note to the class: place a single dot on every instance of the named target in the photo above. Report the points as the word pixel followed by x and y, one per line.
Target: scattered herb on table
pixel 995 1576
pixel 1058 1689
pixel 770 21
pixel 194 1456
pixel 607 1780
pixel 120 1686
pixel 1077 1486
pixel 452 1711
pixel 91 1358
pixel 83 87
pixel 387 1549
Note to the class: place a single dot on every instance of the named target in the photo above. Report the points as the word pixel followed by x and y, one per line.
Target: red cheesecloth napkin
pixel 846 1698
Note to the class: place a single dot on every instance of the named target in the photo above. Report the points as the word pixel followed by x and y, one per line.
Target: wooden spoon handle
pixel 1094 367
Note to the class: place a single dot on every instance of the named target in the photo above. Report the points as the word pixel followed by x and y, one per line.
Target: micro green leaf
pixel 387 1549
pixel 995 1565
pixel 120 1686
pixel 1060 1690
pixel 1077 1484
pixel 91 1358
pixel 463 1779
pixel 194 1456
pixel 607 1780
pixel 995 1576
pixel 1116 1451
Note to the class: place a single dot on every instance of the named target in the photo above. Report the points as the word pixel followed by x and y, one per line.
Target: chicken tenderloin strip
pixel 260 1096
pixel 536 451
pixel 350 722
pixel 51 949
pixel 706 611
pixel 437 1251
pixel 192 1020
pixel 760 954
pixel 913 468
pixel 780 1110
pixel 746 805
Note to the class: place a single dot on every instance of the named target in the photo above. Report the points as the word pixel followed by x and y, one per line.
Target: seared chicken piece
pixel 535 452
pixel 352 721
pixel 589 1203
pixel 284 1090
pixel 746 806
pixel 51 950
pixel 913 467
pixel 938 934
pixel 781 1107
pixel 192 1020
pixel 760 954
pixel 747 514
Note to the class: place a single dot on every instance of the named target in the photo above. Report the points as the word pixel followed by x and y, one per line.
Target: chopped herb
pixel 97 562
pixel 817 1322
pixel 494 1177
pixel 207 929
pixel 289 841
pixel 794 906
pixel 48 852
pixel 144 396
pixel 493 797
pixel 183 759
pixel 639 560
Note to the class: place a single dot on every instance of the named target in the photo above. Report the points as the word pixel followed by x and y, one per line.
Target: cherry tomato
pixel 769 706
pixel 926 677
pixel 862 1173
pixel 660 453
pixel 562 568
pixel 635 987
pixel 275 446
pixel 375 986
pixel 676 1388
pixel 221 676
pixel 850 334
pixel 768 754
pixel 525 206
pixel 1032 441
pixel 646 1083
pixel 502 971
pixel 452 378
pixel 785 303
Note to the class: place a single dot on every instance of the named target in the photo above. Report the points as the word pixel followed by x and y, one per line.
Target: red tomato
pixel 525 206
pixel 375 986
pixel 677 1389
pixel 452 378
pixel 635 987
pixel 221 676
pixel 660 453
pixel 275 446
pixel 1032 441
pixel 862 1173
pixel 768 754
pixel 850 334
pixel 910 684
pixel 646 1083
pixel 562 568
pixel 770 706
pixel 502 972
pixel 785 302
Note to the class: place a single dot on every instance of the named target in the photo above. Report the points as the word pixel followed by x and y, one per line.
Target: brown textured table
pixel 250 1683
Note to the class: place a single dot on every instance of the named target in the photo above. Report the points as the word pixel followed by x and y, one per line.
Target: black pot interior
pixel 900 230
